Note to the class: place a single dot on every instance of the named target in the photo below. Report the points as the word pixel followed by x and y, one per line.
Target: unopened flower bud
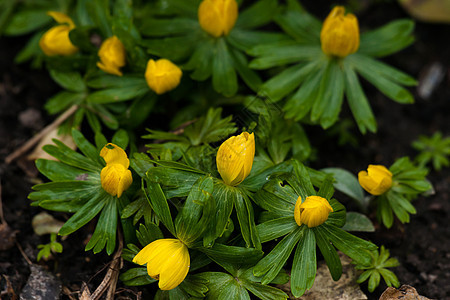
pixel 340 33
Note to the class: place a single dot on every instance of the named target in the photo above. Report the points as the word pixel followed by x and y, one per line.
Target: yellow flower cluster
pixel 377 180
pixel 167 261
pixel 217 17
pixel 115 177
pixel 56 40
pixel 313 211
pixel 340 33
pixel 235 158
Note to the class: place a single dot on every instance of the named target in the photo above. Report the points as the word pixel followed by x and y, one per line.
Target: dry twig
pixel 35 139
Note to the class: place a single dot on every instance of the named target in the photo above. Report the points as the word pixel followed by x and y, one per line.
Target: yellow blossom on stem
pixel 162 75
pixel 112 56
pixel 235 158
pixel 340 33
pixel 56 40
pixel 167 261
pixel 115 177
pixel 376 180
pixel 313 211
pixel 217 17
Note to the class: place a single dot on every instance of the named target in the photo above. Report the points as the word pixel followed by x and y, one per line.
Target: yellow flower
pixel 115 177
pixel 167 261
pixel 235 158
pixel 112 56
pixel 377 180
pixel 313 211
pixel 56 40
pixel 162 75
pixel 340 33
pixel 217 17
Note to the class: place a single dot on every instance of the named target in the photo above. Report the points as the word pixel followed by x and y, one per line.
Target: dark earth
pixel 422 246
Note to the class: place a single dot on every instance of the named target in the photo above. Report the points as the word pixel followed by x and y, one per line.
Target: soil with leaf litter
pixel 420 246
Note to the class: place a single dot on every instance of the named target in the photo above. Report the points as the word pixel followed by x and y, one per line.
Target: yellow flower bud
pixel 313 211
pixel 162 75
pixel 115 177
pixel 112 56
pixel 377 180
pixel 217 17
pixel 56 40
pixel 340 33
pixel 235 158
pixel 167 261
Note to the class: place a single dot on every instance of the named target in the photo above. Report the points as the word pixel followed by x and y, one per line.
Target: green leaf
pixel 159 204
pixel 105 231
pixel 385 84
pixel 232 254
pixel 272 263
pixel 277 196
pixel 30 50
pixel 329 253
pixel 210 128
pixel 349 244
pixel 65 190
pixel 300 103
pixel 224 77
pixel 264 292
pixel 198 209
pixel 327 106
pixel 283 55
pixel 166 27
pixel 250 77
pixel 71 81
pixel 245 40
pixel 222 286
pixel 70 157
pixel 285 82
pixel 201 61
pixel 85 214
pixel 224 197
pixel 121 139
pixel 244 212
pixel 274 229
pixel 57 171
pixel 300 25
pixel 304 265
pixel 101 16
pixel 148 233
pixel 176 183
pixel 136 276
pixel 259 14
pixel 86 148
pixel 358 222
pixel 377 67
pixel 326 189
pixel 26 21
pixel 348 184
pixel 62 101
pixel 387 39
pixel 337 217
pixel 141 163
pixel 169 47
pixel 384 211
pixel 359 105
pixel 114 95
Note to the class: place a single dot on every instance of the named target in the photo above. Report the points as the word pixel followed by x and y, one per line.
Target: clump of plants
pixel 217 205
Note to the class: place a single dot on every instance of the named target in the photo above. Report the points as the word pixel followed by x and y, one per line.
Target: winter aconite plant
pixel 219 198
pixel 394 188
pixel 321 62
